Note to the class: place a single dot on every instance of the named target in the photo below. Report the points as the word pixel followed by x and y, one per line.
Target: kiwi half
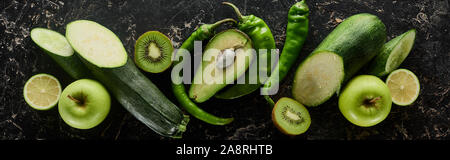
pixel 153 52
pixel 290 117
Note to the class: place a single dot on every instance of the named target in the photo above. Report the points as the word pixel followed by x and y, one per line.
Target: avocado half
pixel 209 79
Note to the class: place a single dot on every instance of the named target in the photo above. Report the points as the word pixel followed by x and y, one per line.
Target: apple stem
pixel 74 99
pixel 375 99
pixel 371 102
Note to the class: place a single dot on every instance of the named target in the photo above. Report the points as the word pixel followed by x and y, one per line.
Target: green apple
pixel 365 101
pixel 84 104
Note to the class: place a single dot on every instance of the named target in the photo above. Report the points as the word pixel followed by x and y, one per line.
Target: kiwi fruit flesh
pixel 153 52
pixel 290 116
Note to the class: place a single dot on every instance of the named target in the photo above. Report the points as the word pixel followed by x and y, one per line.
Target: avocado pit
pixel 225 58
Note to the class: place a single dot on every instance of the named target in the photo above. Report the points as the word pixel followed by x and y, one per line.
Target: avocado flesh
pixel 209 79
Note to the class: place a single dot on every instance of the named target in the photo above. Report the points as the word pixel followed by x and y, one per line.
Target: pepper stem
pixel 235 10
pixel 269 100
pixel 218 23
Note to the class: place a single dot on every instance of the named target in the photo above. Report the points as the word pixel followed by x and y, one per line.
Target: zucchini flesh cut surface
pixel 96 44
pixel 51 41
pixel 321 75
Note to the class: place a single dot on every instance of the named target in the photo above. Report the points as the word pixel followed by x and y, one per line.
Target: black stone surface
pixel 20 58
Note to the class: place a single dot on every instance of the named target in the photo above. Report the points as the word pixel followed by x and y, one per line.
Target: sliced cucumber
pixel 109 63
pixel 392 55
pixel 57 47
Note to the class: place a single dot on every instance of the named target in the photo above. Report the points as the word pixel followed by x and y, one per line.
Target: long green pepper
pixel 204 32
pixel 296 33
pixel 262 38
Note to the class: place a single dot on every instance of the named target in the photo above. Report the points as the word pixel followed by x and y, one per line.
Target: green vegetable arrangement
pixel 110 64
pixel 122 78
pixel 90 50
pixel 350 46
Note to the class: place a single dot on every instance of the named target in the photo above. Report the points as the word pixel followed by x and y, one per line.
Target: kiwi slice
pixel 153 52
pixel 290 117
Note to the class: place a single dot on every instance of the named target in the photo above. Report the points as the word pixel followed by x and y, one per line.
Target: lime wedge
pixel 404 87
pixel 42 91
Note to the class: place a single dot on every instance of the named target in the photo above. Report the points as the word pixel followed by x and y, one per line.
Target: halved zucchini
pixel 57 47
pixel 392 55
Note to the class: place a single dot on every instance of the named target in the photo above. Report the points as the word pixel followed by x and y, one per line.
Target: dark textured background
pixel 427 118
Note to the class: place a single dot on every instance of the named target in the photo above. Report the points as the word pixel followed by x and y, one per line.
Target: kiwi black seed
pixel 291 117
pixel 153 52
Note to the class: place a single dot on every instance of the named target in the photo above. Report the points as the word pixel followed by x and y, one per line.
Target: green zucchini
pixel 350 46
pixel 57 47
pixel 103 53
pixel 392 54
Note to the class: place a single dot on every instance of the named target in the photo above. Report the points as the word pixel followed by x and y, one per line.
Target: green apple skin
pixel 365 101
pixel 94 103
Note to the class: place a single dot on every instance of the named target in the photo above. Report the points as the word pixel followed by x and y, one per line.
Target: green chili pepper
pixel 205 31
pixel 262 38
pixel 296 32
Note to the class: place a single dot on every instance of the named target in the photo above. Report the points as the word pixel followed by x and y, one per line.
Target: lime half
pixel 404 87
pixel 42 91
